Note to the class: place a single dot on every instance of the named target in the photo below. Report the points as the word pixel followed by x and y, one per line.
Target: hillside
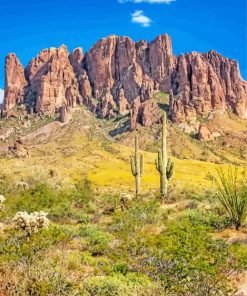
pixel 84 147
pixel 100 243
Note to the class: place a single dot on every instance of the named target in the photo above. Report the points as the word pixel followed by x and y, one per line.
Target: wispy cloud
pixel 138 17
pixel 148 1
pixel 1 95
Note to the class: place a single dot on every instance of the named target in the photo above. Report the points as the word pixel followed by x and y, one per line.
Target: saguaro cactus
pixel 164 165
pixel 137 166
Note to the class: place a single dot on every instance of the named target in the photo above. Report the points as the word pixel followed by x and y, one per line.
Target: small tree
pixel 232 194
pixel 137 166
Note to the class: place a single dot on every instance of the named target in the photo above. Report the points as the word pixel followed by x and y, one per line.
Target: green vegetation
pixel 95 244
pixel 137 166
pixel 232 194
pixel 164 165
pixel 92 247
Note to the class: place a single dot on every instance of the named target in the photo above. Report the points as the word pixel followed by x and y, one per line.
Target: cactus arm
pixel 157 165
pixel 170 172
pixel 168 166
pixel 133 166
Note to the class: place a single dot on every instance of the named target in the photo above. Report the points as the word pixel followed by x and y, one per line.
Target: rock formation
pixel 118 76
pixel 206 133
pixel 18 149
pixel 65 114
pixel 76 60
pixel 52 78
pixel 204 83
pixel 14 82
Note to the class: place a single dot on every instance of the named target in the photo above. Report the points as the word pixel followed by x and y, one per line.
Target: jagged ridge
pixel 117 76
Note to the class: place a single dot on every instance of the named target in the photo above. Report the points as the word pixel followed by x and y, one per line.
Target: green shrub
pixel 59 204
pixel 16 246
pixel 96 240
pixel 188 261
pixel 118 285
pixel 121 268
pixel 38 279
pixel 103 286
pixel 232 194
pixel 208 218
pixel 137 216
pixel 83 218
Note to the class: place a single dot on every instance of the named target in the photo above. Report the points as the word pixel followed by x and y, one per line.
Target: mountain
pixel 119 76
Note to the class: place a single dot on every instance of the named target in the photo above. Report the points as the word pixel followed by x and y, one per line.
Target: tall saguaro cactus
pixel 137 166
pixel 164 165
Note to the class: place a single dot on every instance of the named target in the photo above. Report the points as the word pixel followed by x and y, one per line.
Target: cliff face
pixel 15 82
pixel 52 78
pixel 206 82
pixel 117 76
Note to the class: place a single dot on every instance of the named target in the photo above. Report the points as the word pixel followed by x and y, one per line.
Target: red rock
pixel 18 149
pixel 108 106
pixel 208 82
pixel 161 61
pixel 52 77
pixel 65 114
pixel 15 82
pixel 123 105
pixel 146 113
pixel 149 113
pixel 111 63
pixel 76 60
pixel 117 75
pixel 134 113
pixel 206 133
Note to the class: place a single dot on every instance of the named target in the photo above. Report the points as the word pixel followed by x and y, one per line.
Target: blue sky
pixel 28 26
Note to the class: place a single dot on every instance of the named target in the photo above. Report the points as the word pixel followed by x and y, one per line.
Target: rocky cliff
pixel 119 76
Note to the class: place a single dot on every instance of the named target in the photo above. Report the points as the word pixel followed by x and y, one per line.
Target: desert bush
pixel 39 279
pixel 60 204
pixel 232 194
pixel 188 261
pixel 83 218
pixel 41 196
pixel 119 285
pixel 138 215
pixel 2 200
pixel 208 218
pixel 96 240
pixel 31 223
pixel 83 191
pixel 15 246
pixel 121 268
pixel 125 200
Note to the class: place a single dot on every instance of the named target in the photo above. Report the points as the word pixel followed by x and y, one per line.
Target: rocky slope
pixel 119 76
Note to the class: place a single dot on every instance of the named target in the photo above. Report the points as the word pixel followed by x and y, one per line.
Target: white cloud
pixel 1 95
pixel 148 1
pixel 138 17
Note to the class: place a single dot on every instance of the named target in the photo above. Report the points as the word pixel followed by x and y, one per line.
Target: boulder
pixel 206 133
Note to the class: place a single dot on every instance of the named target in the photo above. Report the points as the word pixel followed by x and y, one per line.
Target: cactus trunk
pixel 137 166
pixel 164 165
pixel 163 185
pixel 138 184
